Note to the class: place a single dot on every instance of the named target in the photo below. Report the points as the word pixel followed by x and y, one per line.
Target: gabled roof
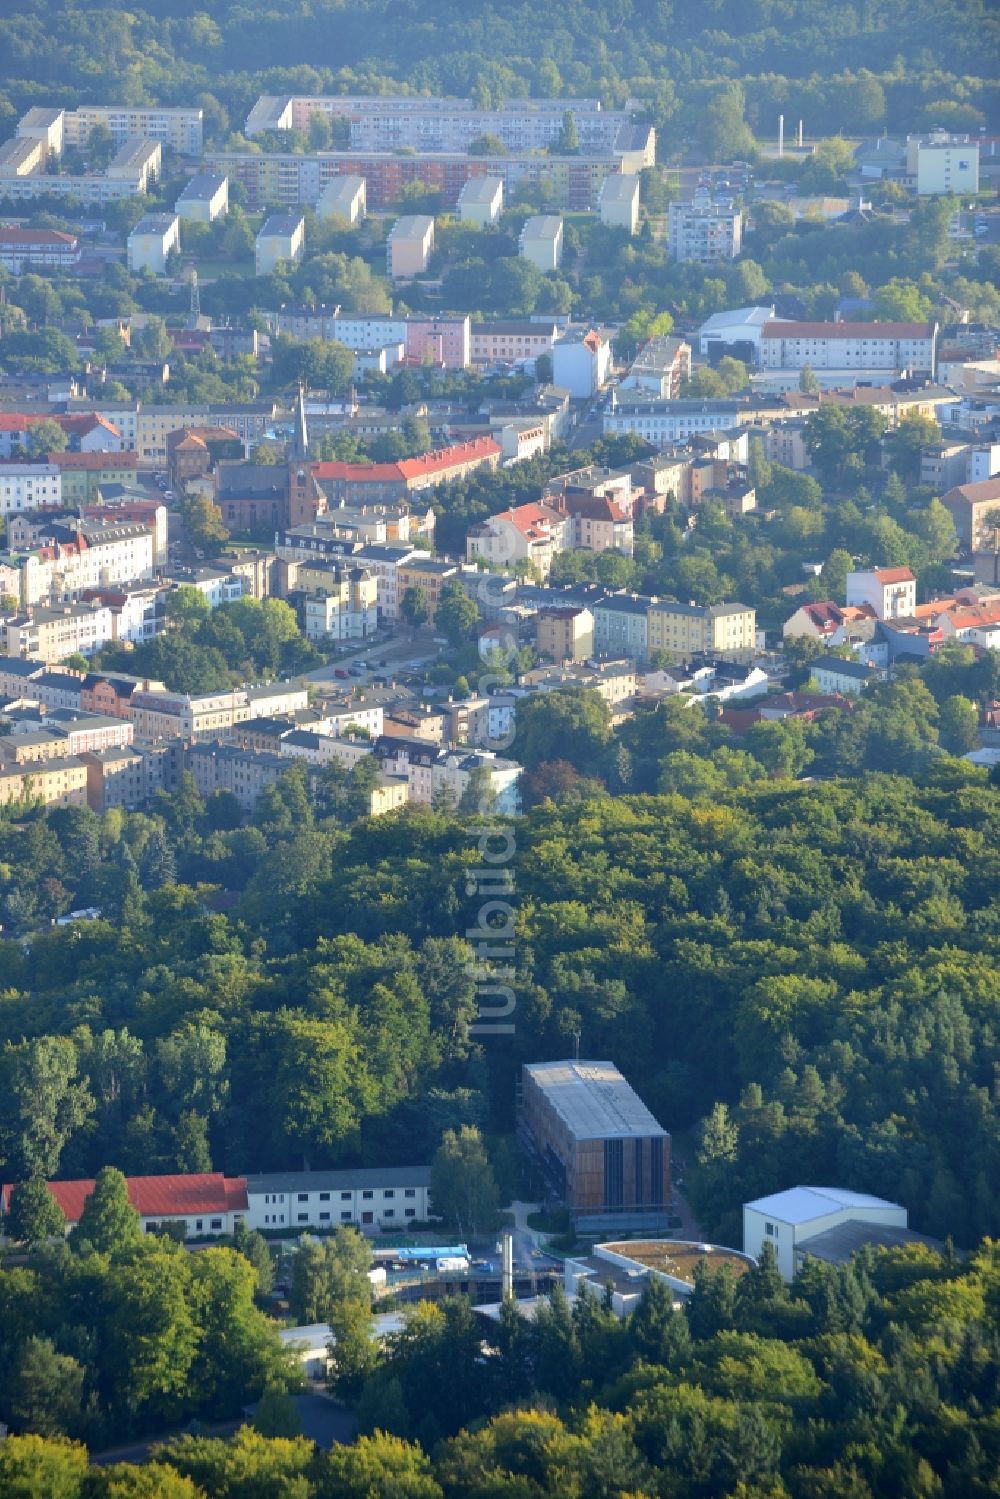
pixel 894 575
pixel 982 492
pixel 804 1204
pixel 872 330
pixel 158 1196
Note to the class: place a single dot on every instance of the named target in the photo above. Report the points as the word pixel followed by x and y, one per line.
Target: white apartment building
pixel 181 129
pixel 704 231
pixel 344 198
pixel 281 240
pixel 154 238
pixel 619 201
pixel 481 201
pixel 345 607
pixel 369 1198
pixel 541 241
pixel 29 486
pixel 939 164
pixel 86 555
pixel 52 634
pixel 890 591
pixel 383 561
pixel 849 346
pixel 138 163
pixel 581 362
pixel 205 199
pixel 665 422
pixel 410 245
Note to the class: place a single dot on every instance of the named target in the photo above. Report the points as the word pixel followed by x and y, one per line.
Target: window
pixel 346 1196
pixel 770 1230
pixel 216 1223
pixel 389 1192
pixel 324 1197
pixel 197 1225
pixel 303 1217
pixel 345 1217
pixel 367 1217
pixel 368 1196
pixel 409 1212
pixel 324 1217
pixel 389 1213
pixel 303 1196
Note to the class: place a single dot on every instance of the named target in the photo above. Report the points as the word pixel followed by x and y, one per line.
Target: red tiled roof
pixel 84 461
pixel 894 575
pixel 979 493
pixel 530 519
pixel 159 1196
pixel 84 422
pixel 51 237
pixel 374 473
pixel 476 449
pixel 847 330
pixel 14 421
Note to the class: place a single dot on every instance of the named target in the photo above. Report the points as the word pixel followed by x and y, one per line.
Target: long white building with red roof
pixel 849 346
pixel 207 1204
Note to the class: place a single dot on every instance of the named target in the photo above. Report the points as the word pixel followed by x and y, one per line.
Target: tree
pixel 46 1394
pixel 568 141
pixel 32 1467
pixel 34 1214
pixel 414 607
pixel 573 725
pixel 457 614
pixel 108 1220
pixel 204 523
pixel 45 437
pixel 959 725
pixel 186 606
pixel 463 1186
pixel 381 1466
pixel 276 1415
pixel 808 384
pixel 41 1105
pixel 724 132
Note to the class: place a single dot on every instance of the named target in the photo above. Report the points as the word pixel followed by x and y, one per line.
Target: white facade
pixel 344 198
pixel 619 201
pixel 410 245
pixel 890 591
pixel 788 1220
pixel 849 346
pixel 372 1200
pixel 205 198
pixel 541 241
pixel 940 164
pixel 179 128
pixel 704 231
pixel 281 241
pixel 29 486
pixel 581 363
pixel 151 241
pixel 481 201
pixel 741 325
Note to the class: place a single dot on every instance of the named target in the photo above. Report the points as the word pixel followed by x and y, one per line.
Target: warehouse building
pixel 603 1154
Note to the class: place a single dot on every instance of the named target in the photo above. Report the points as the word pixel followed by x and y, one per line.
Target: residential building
pixel 343 607
pixel 970 506
pixel 942 164
pixel 153 239
pixel 344 198
pixel 531 534
pixel 850 347
pixel 246 774
pixel 613 681
pixel 410 246
pixel 115 778
pixel 581 362
pixel 659 368
pixel 28 487
pixel 374 1199
pixel 208 1205
pixel 181 129
pixel 205 199
pixel 621 626
pixel 890 591
pixel 51 635
pixel 60 782
pixel 19 160
pixel 849 678
pixel 25 249
pixel 983 462
pixel 452 780
pixel 137 164
pixel 831 623
pixel 541 241
pixel 944 464
pixel 565 634
pixel 789 1221
pixel 175 715
pixel 429 574
pixel 511 340
pixel 603 1154
pixel 85 475
pixel 280 241
pixel 45 124
pixel 618 202
pixel 481 201
pixel 686 630
pixel 597 522
pixel 704 231
pixel 111 693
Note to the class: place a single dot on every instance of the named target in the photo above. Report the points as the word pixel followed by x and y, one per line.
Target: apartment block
pixel 481 201
pixel 344 197
pixel 25 249
pixel 509 340
pixel 704 231
pixel 138 162
pixel 659 368
pixel 205 199
pixel 181 129
pixel 56 783
pixel 29 486
pixel 281 240
pixel 849 346
pixel 343 607
pixel 938 164
pixel 152 240
pixel 541 241
pixel 410 245
pixel 686 630
pixel 619 202
pixel 52 634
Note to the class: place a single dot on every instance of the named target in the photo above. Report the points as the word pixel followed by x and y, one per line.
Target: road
pixel 399 653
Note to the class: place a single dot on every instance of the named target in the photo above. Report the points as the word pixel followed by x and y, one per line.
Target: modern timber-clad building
pixel 604 1155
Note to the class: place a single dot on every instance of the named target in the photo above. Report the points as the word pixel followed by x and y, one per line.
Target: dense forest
pixel 852 67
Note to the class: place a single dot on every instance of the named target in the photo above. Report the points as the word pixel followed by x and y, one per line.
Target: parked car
pixel 341 672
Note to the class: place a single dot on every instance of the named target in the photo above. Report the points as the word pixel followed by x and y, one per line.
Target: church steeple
pixel 300 442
